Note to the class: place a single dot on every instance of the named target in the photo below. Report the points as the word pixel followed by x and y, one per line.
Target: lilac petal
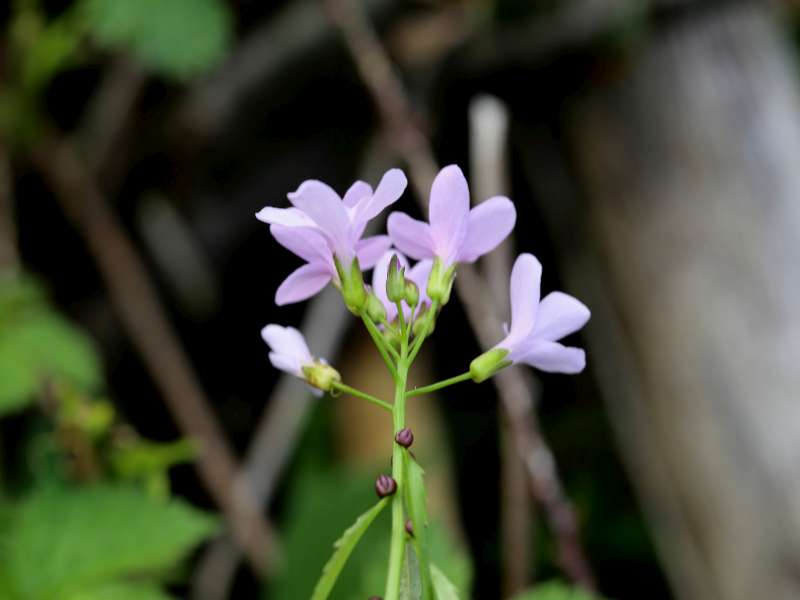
pixel 412 237
pixel 391 187
pixel 449 211
pixel 325 208
pixel 306 243
pixel 553 357
pixel 357 192
pixel 303 283
pixel 290 217
pixel 287 341
pixel 370 249
pixel 289 364
pixel 526 278
pixel 559 315
pixel 419 274
pixel 488 224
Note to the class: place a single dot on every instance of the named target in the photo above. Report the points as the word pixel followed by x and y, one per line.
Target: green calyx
pixel 411 293
pixel 440 282
pixel 352 285
pixel 321 376
pixel 395 281
pixel 488 363
pixel 374 308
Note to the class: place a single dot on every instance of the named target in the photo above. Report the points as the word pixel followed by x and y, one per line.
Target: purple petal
pixel 289 364
pixel 290 217
pixel 391 187
pixel 488 224
pixel 357 192
pixel 370 249
pixel 325 208
pixel 302 284
pixel 306 243
pixel 286 341
pixel 559 315
pixel 412 237
pixel 553 357
pixel 449 211
pixel 526 278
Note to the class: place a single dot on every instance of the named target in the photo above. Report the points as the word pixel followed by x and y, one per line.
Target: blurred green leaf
pixel 36 343
pixel 445 589
pixel 343 548
pixel 64 541
pixel 410 580
pixel 178 38
pixel 120 590
pixel 555 590
pixel 416 503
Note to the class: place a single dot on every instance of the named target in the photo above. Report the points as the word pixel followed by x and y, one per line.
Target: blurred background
pixel 148 449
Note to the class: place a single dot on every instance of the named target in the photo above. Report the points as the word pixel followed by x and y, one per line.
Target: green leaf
pixel 177 38
pixel 120 590
pixel 343 547
pixel 444 588
pixel 416 503
pixel 36 343
pixel 410 581
pixel 555 590
pixel 66 540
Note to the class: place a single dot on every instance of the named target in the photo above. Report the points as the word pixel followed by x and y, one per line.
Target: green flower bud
pixel 488 363
pixel 411 293
pixel 395 281
pixel 440 282
pixel 353 291
pixel 321 376
pixel 425 320
pixel 375 309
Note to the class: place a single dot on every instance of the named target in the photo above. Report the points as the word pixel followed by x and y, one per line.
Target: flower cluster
pixel 327 232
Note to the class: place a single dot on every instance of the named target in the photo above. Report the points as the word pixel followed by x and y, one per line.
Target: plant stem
pixel 365 396
pixel 430 317
pixel 397 549
pixel 380 344
pixel 427 389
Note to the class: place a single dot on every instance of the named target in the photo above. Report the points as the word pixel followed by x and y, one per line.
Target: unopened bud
pixel 353 291
pixel 395 281
pixel 440 282
pixel 411 295
pixel 404 437
pixel 488 363
pixel 410 528
pixel 321 376
pixel 385 485
pixel 375 309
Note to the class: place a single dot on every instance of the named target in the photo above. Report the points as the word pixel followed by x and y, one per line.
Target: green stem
pixel 397 548
pixel 380 344
pixel 359 394
pixel 427 389
pixel 430 317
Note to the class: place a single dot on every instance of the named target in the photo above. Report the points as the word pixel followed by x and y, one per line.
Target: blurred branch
pixel 9 255
pixel 515 391
pixel 488 118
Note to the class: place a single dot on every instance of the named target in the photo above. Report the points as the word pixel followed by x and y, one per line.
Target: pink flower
pixel 536 326
pixel 289 353
pixel 455 233
pixel 320 226
pixel 418 274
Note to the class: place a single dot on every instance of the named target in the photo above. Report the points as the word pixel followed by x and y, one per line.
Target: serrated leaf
pixel 555 590
pixel 178 38
pixel 64 540
pixel 343 547
pixel 416 503
pixel 442 586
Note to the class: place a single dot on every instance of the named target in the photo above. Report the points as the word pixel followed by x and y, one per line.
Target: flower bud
pixel 353 291
pixel 440 282
pixel 321 376
pixel 395 281
pixel 385 485
pixel 404 437
pixel 410 528
pixel 411 294
pixel 375 309
pixel 488 363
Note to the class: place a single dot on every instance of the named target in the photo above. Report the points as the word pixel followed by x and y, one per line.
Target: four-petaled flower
pixel 418 274
pixel 455 233
pixel 321 227
pixel 537 326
